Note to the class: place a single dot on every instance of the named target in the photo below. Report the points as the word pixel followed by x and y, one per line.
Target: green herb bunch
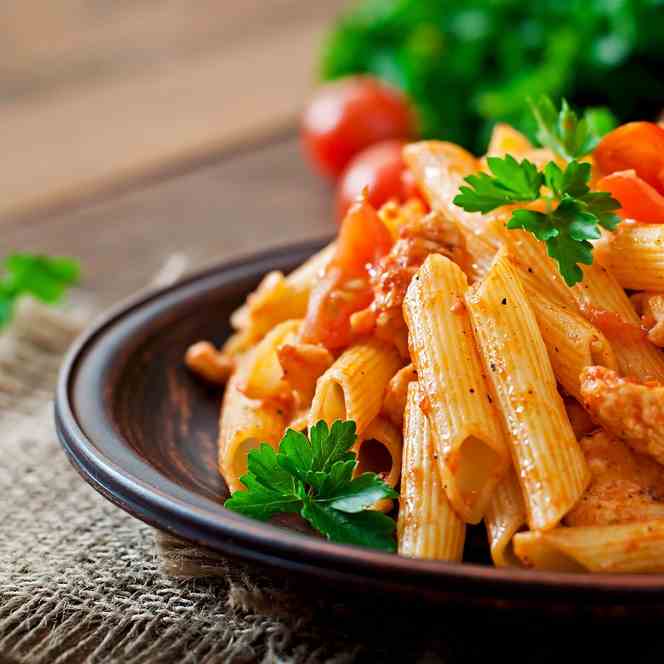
pixel 574 214
pixel 468 64
pixel 44 278
pixel 313 477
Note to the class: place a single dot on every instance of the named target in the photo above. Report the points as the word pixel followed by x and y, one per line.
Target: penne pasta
pixel 549 463
pixel 264 375
pixel 245 424
pixel 636 256
pixel 599 298
pixel 439 169
pixel 352 388
pixel 505 516
pixel 633 548
pixel 428 527
pixel 571 341
pixel 472 454
pixel 600 293
pixel 379 451
pixel 279 298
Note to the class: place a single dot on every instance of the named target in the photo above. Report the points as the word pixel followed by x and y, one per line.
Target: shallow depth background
pixel 94 92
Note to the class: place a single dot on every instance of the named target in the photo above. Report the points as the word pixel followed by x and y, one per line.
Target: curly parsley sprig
pixel 564 133
pixel 314 478
pixel 574 213
pixel 43 277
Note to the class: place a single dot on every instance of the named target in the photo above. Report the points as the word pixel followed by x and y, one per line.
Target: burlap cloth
pixel 80 580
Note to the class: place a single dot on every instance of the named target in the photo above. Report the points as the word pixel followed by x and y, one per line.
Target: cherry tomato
pixel 635 145
pixel 348 115
pixel 637 198
pixel 382 171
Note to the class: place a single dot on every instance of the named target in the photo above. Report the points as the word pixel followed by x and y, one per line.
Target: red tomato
pixel 637 198
pixel 348 115
pixel 382 171
pixel 635 145
pixel 345 288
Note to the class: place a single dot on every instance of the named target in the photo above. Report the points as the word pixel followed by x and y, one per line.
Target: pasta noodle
pixel 379 451
pixel 636 256
pixel 629 548
pixel 571 342
pixel 504 518
pixel 243 426
pixel 264 375
pixel 548 461
pixel 472 453
pixel 428 527
pixel 352 388
pixel 439 169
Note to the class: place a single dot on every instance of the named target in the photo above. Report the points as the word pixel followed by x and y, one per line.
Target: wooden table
pixel 233 203
pixel 95 95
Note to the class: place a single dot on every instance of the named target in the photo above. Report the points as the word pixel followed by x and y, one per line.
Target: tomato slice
pixel 635 145
pixel 637 198
pixel 363 239
pixel 345 288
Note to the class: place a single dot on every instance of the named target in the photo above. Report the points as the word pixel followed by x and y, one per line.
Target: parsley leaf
pixel 512 182
pixel 315 479
pixel 564 133
pixel 43 277
pixel 368 528
pixel 568 228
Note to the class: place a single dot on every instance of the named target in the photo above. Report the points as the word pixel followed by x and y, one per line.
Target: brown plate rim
pixel 126 479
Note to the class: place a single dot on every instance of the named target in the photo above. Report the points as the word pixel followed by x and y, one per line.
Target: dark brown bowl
pixel 142 431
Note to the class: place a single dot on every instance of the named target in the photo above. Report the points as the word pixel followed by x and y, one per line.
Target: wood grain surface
pixel 210 210
pixel 93 94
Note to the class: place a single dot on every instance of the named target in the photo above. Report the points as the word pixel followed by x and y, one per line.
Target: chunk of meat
pixel 629 409
pixel 431 234
pixel 625 486
pixel 650 306
pixel 302 365
pixel 205 360
pixel 396 394
pixel 390 277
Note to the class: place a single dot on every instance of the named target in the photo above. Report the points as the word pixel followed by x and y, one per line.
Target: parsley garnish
pixel 44 278
pixel 564 133
pixel 567 227
pixel 313 478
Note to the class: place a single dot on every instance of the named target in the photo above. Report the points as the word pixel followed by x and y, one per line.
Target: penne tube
pixel 472 453
pixel 244 425
pixel 599 293
pixel 428 527
pixel 571 341
pixel 549 463
pixel 264 375
pixel 599 298
pixel 505 516
pixel 379 451
pixel 439 169
pixel 302 365
pixel 279 298
pixel 636 256
pixel 353 387
pixel 633 548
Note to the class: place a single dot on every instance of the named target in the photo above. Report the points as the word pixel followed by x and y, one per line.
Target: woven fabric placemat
pixel 82 581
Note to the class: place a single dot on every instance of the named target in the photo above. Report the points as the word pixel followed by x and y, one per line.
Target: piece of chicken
pixel 650 306
pixel 629 409
pixel 625 486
